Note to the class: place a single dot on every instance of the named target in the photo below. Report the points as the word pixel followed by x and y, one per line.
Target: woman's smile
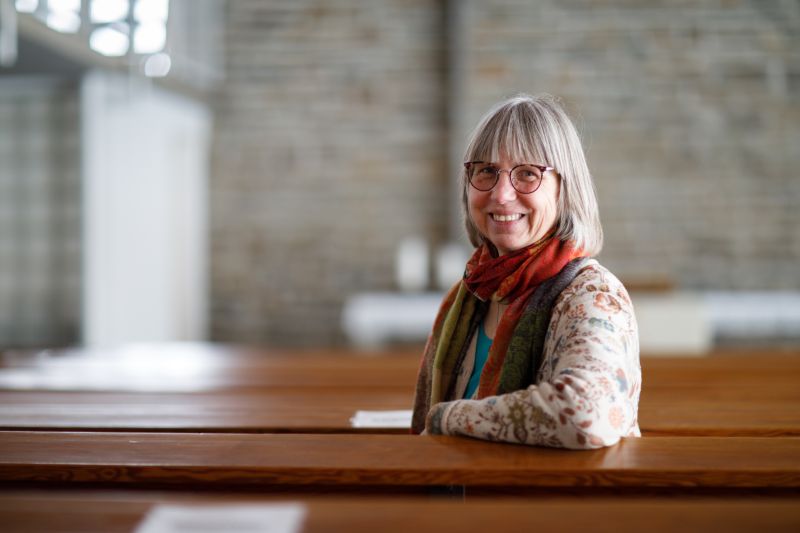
pixel 503 219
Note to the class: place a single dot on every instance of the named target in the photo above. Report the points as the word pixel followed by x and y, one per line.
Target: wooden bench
pixel 170 368
pixel 393 462
pixel 217 389
pixel 120 512
pixel 662 411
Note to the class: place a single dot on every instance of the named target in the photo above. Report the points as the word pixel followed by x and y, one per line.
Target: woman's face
pixel 509 219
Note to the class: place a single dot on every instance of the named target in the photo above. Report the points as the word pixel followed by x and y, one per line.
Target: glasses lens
pixel 483 176
pixel 526 178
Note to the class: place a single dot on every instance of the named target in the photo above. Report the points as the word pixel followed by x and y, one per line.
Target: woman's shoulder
pixel 593 318
pixel 593 271
pixel 595 283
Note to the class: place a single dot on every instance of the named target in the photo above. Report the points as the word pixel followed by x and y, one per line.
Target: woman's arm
pixel 590 380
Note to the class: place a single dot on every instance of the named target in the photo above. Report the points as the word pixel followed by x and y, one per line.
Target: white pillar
pixel 145 172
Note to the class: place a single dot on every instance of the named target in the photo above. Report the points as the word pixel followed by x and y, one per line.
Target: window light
pixel 149 38
pixel 109 10
pixel 151 10
pixel 64 15
pixel 63 21
pixel 26 6
pixel 157 65
pixel 60 6
pixel 110 41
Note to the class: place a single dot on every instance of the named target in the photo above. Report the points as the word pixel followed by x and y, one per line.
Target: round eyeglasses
pixel 525 178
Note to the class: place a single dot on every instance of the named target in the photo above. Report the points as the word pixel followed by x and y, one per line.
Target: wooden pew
pixel 662 411
pixel 282 462
pixel 310 410
pixel 203 368
pixel 318 393
pixel 726 394
pixel 675 413
pixel 120 512
pixel 206 368
pixel 188 387
pixel 728 368
pixel 215 389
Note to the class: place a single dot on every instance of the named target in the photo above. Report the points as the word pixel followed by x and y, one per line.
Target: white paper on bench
pixel 224 518
pixel 381 419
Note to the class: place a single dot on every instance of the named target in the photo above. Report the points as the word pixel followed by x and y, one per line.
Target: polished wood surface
pixel 204 368
pixel 723 368
pixel 207 368
pixel 317 410
pixel 662 411
pixel 734 393
pixel 216 389
pixel 227 423
pixel 672 413
pixel 120 512
pixel 218 460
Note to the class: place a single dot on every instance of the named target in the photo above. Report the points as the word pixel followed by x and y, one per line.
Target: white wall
pixel 145 172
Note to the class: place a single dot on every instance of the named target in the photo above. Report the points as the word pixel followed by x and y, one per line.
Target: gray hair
pixel 536 129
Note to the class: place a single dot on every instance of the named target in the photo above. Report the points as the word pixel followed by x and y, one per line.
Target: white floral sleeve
pixel 588 389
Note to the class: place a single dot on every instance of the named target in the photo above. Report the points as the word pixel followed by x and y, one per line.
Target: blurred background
pixel 284 172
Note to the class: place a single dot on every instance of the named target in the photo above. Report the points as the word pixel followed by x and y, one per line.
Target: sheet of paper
pixel 227 518
pixel 381 419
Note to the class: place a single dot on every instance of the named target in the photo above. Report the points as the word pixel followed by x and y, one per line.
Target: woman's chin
pixel 507 243
pixel 506 246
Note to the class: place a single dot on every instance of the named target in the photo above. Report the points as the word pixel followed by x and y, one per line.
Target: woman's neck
pixel 492 318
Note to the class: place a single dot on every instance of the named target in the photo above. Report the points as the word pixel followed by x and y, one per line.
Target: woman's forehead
pixel 514 151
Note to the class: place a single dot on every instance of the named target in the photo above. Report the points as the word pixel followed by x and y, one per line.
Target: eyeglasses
pixel 525 178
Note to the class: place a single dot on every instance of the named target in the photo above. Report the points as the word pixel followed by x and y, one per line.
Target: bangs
pixel 509 131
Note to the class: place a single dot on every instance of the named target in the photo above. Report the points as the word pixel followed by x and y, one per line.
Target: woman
pixel 538 343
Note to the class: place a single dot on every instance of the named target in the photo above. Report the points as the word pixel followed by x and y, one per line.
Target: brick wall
pixel 40 223
pixel 332 141
pixel 690 118
pixel 328 151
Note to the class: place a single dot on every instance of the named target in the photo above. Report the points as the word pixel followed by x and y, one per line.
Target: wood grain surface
pixel 316 410
pixel 217 389
pixel 204 368
pixel 120 512
pixel 662 411
pixel 168 459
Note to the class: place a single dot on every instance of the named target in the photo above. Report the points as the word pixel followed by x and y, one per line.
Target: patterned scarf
pixel 512 363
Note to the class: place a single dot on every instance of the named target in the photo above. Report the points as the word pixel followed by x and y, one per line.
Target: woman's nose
pixel 503 191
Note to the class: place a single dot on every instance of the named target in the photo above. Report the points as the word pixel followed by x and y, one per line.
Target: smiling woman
pixel 538 342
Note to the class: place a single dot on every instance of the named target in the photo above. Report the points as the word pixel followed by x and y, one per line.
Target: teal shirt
pixel 481 355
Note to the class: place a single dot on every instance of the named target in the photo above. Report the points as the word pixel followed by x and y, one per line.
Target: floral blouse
pixel 588 388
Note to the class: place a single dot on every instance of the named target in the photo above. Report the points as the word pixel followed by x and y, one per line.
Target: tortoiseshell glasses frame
pixel 526 178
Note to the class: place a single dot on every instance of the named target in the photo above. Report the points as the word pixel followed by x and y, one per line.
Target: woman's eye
pixel 526 174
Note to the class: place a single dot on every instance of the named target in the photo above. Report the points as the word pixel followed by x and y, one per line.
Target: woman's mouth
pixel 506 218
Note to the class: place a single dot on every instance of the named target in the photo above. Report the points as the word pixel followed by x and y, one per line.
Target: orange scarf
pixel 507 277
pixel 512 278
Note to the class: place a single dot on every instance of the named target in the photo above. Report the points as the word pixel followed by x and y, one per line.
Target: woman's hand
pixel 433 422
